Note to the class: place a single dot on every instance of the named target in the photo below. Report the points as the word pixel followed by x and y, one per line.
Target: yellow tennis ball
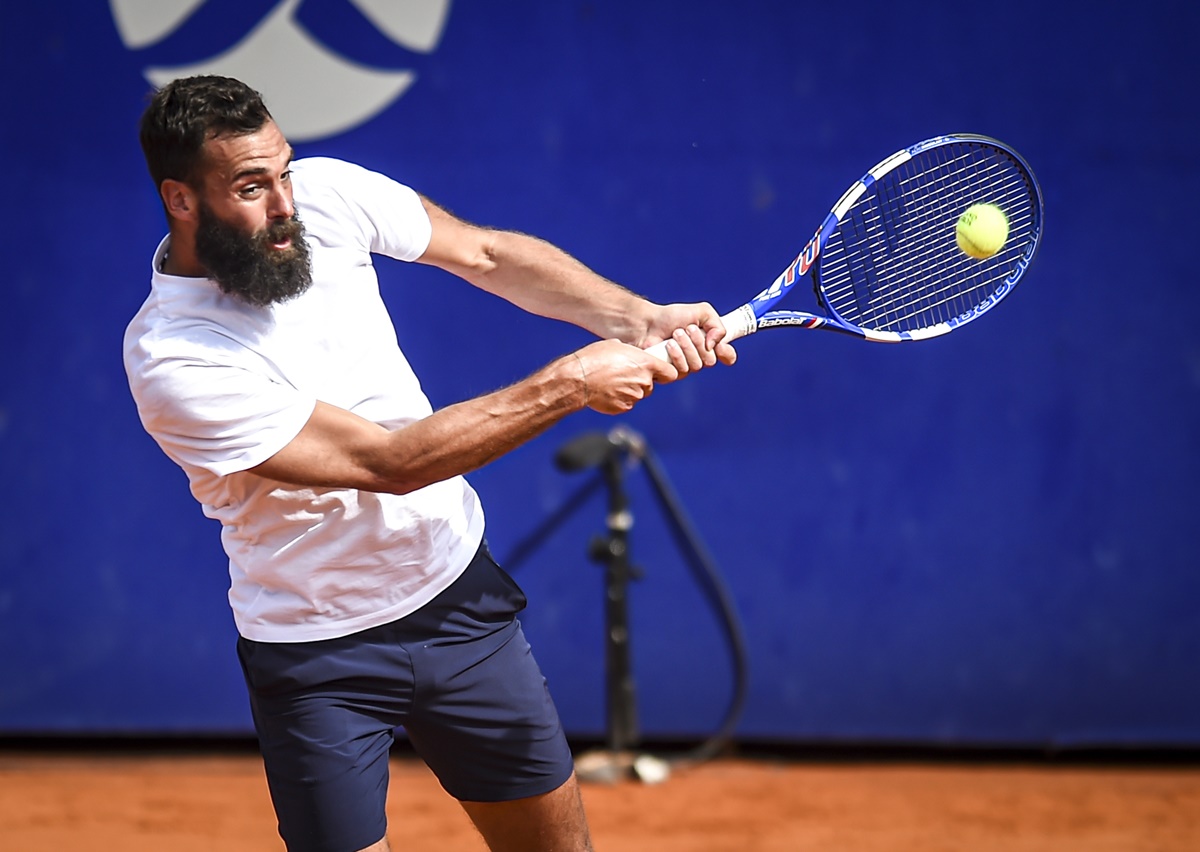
pixel 982 230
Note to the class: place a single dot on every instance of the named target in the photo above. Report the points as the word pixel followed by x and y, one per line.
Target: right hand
pixel 618 375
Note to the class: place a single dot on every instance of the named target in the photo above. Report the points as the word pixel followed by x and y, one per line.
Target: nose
pixel 281 206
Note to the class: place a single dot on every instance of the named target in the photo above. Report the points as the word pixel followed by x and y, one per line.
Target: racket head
pixel 888 265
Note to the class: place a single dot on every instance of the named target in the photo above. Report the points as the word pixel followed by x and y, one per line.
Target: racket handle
pixel 738 323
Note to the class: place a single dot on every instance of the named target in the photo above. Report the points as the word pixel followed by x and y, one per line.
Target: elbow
pixel 398 482
pixel 402 488
pixel 379 474
pixel 483 259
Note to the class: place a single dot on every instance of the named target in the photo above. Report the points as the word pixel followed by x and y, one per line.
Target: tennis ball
pixel 982 230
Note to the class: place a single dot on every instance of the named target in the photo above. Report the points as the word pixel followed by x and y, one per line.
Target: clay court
pixel 200 800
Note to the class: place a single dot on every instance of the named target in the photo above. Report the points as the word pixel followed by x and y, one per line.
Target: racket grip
pixel 738 323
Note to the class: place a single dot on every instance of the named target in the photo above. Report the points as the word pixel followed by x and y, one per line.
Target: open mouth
pixel 281 238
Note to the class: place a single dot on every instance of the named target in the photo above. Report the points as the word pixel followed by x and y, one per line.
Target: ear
pixel 180 200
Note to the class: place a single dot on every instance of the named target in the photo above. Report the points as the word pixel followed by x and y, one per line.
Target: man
pixel 265 364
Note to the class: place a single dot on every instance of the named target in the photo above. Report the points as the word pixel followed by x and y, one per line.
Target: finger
pixel 691 344
pixel 662 372
pixel 672 351
pixel 703 351
pixel 715 334
pixel 726 354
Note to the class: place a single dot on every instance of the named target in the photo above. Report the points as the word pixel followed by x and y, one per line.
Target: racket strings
pixel 894 264
pixel 940 281
pixel 911 231
pixel 964 285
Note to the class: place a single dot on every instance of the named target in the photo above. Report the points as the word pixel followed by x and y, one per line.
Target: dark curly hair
pixel 185 113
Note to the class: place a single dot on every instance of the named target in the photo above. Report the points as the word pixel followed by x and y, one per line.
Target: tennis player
pixel 265 364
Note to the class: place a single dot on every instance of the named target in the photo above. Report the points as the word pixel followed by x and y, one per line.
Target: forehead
pixel 230 157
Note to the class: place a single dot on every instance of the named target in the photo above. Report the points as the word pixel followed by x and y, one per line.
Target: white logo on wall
pixel 311 91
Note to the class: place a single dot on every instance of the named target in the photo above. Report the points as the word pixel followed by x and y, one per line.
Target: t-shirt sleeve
pixel 221 418
pixel 388 216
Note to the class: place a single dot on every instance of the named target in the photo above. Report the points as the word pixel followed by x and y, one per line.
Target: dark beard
pixel 247 266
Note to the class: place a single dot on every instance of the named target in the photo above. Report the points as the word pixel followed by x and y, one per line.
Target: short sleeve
pixel 221 418
pixel 388 216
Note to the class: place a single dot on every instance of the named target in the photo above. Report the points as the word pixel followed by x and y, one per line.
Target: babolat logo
pixel 312 89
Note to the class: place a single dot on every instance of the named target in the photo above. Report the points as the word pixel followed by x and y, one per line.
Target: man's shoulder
pixel 335 187
pixel 342 177
pixel 345 203
pixel 329 172
pixel 322 167
pixel 157 336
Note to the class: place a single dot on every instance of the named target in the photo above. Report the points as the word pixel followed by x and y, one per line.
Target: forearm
pixel 466 436
pixel 542 279
pixel 339 449
pixel 537 277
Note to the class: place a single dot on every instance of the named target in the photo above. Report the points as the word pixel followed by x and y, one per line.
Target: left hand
pixel 695 332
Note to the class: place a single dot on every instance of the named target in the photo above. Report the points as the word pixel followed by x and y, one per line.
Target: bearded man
pixel 265 364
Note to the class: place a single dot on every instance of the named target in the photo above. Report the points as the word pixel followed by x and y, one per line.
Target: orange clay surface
pixel 197 802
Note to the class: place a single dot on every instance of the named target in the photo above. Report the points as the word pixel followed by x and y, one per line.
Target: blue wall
pixel 989 538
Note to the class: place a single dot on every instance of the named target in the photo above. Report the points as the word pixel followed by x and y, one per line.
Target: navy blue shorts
pixel 457 674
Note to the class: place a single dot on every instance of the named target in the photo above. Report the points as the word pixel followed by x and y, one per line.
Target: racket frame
pixel 757 314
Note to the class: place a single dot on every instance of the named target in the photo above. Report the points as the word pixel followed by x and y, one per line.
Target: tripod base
pixel 604 766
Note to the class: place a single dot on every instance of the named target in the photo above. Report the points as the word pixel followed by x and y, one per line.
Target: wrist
pixel 583 381
pixel 634 323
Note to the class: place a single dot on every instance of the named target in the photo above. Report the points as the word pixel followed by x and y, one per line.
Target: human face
pixel 247 236
pixel 247 179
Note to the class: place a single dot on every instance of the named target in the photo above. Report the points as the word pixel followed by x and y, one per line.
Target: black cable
pixel 593 449
pixel 710 579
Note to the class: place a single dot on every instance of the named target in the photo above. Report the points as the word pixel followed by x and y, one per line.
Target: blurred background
pixel 986 540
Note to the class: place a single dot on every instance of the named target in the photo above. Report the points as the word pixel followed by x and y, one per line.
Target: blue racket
pixel 886 264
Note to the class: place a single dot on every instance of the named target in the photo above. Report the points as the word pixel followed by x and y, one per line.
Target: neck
pixel 181 260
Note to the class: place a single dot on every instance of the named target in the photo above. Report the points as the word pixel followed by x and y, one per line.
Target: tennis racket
pixel 885 263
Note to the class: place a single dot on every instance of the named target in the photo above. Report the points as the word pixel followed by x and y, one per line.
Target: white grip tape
pixel 738 323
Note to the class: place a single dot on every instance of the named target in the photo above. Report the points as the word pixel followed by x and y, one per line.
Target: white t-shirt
pixel 222 386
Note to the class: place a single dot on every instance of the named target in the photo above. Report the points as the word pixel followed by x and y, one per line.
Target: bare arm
pixel 336 448
pixel 534 275
pixel 542 279
pixel 339 449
